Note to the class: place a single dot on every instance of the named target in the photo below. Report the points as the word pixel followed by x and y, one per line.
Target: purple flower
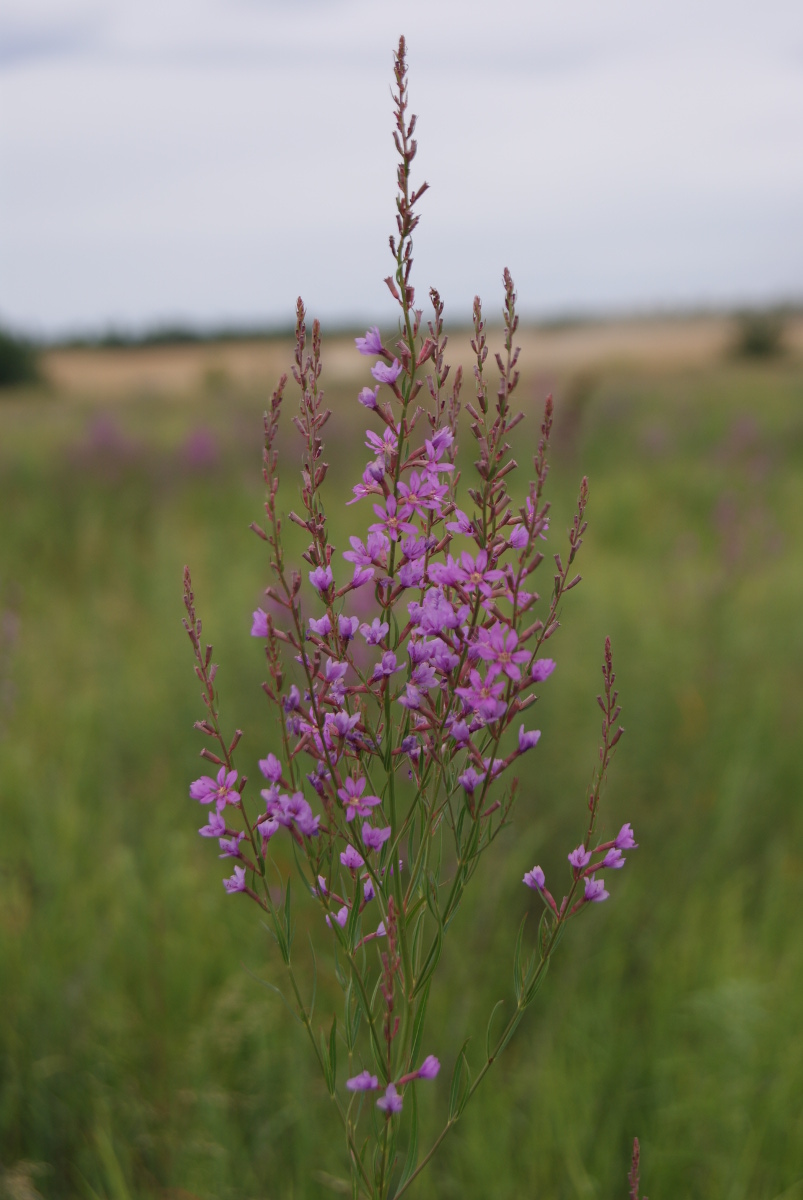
pixel 483 697
pixel 292 701
pixel 221 790
pixel 580 858
pixel 535 879
pixel 341 916
pixel 625 839
pixel 367 397
pixel 364 554
pixel 613 859
pixel 391 522
pixel 351 859
pixel 374 632
pixel 347 627
pixel 322 626
pixel 542 669
pixel 260 625
pixel 384 373
pixel 216 826
pixel 375 838
pixel 470 779
pixel 391 1102
pixel 364 1082
pixel 298 809
pixel 529 739
pixel 271 768
pixel 380 930
pixel 352 796
pixel 429 1067
pixel 595 890
pixel 518 537
pixel 231 846
pixel 387 666
pixel 267 828
pixel 321 578
pixel 370 344
pixel 368 890
pixel 236 883
pixel 420 495
pixel 497 646
pixel 411 574
pixel 461 525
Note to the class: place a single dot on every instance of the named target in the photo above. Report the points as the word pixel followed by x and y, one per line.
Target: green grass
pixel 138 1055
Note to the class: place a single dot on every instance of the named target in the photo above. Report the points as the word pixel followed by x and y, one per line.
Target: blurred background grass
pixel 138 1056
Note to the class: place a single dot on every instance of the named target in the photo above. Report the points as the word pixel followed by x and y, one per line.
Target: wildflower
pixel 391 522
pixel 542 669
pixel 535 879
pixel 341 916
pixel 260 625
pixel 595 890
pixel 231 846
pixel 580 858
pixel 368 891
pixel 375 838
pixel 216 826
pixel 391 1102
pixel 429 1067
pixel 347 627
pixel 352 796
pixel 221 790
pixel 374 632
pixel 497 646
pixel 387 666
pixel 271 768
pixel 625 839
pixel 419 496
pixel 470 779
pixel 367 397
pixel 267 828
pixel 364 1082
pixel 370 344
pixel 461 525
pixel 367 553
pixel 529 739
pixel 411 574
pixel 613 859
pixel 236 882
pixel 483 697
pixel 321 579
pixel 322 627
pixel 384 373
pixel 351 859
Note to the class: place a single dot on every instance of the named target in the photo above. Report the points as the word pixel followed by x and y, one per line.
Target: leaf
pixel 411 1159
pixel 517 974
pixel 333 1054
pixel 488 1030
pixel 456 1099
pixel 418 1026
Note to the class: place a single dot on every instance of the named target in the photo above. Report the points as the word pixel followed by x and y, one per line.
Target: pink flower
pixel 364 1082
pixel 370 344
pixel 535 879
pixel 236 883
pixel 391 1102
pixel 595 890
pixel 542 669
pixel 429 1067
pixel 384 373
pixel 260 625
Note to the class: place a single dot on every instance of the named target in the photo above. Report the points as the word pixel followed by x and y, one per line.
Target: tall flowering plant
pixel 399 731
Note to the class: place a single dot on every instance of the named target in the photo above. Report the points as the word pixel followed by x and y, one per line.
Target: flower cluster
pixel 399 676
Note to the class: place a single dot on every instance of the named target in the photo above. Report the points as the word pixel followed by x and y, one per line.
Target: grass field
pixel 138 1055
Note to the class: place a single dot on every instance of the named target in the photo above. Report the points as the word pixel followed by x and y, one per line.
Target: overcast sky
pixel 205 161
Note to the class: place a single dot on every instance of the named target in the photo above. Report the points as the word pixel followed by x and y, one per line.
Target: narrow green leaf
pixel 488 1030
pixel 517 975
pixel 533 988
pixel 457 1082
pixel 418 1026
pixel 411 1159
pixel 333 1055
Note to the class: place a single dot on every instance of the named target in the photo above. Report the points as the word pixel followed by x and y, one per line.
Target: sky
pixel 206 161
